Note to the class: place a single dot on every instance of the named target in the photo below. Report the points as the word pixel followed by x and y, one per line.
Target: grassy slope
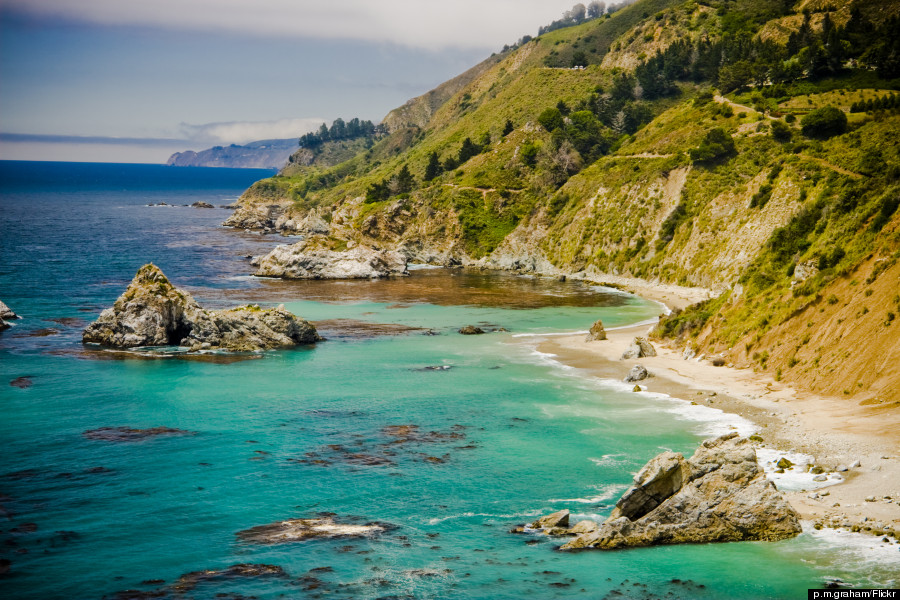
pixel 616 216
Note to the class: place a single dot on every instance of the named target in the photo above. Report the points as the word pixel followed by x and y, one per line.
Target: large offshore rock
pixel 153 312
pixel 309 259
pixel 718 495
pixel 6 312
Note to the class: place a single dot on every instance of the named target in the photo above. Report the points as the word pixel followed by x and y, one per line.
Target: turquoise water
pixel 518 435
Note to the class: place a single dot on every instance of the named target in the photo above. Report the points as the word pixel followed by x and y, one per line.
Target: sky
pixel 132 81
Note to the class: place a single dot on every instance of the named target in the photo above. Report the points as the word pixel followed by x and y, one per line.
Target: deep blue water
pixel 517 435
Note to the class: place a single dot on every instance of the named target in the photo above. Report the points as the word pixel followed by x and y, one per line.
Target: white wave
pixel 469 515
pixel 604 492
pixel 421 266
pixel 861 559
pixel 711 421
pixel 551 334
pixel 795 478
pixel 608 460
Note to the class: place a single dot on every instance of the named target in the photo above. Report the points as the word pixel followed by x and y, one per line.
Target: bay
pixel 358 425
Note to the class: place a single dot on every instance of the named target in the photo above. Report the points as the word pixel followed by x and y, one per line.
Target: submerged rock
pixel 189 581
pixel 312 259
pixel 296 530
pixel 596 332
pixel 128 434
pixel 23 382
pixel 471 330
pixel 639 348
pixel 637 373
pixel 153 312
pixel 718 495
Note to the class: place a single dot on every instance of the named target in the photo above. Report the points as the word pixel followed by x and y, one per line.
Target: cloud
pixel 429 24
pixel 241 132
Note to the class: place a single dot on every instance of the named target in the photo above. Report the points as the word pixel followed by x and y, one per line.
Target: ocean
pixel 361 426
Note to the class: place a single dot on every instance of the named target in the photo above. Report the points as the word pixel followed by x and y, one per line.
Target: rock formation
pixel 596 332
pixel 153 312
pixel 718 495
pixel 6 314
pixel 312 259
pixel 637 373
pixel 296 530
pixel 471 330
pixel 639 348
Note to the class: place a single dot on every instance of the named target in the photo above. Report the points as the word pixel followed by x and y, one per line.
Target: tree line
pixel 340 130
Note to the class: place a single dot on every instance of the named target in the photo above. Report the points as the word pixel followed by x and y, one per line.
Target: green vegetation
pixel 824 122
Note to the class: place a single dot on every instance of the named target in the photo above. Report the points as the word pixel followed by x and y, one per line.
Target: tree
pixel 824 122
pixel 781 131
pixel 551 119
pixel 595 9
pixel 404 181
pixel 468 150
pixel 717 144
pixel 433 168
pixel 508 128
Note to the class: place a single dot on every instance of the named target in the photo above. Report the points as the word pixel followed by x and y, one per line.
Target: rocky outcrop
pixel 639 348
pixel 637 373
pixel 471 330
pixel 296 530
pixel 202 204
pixel 718 495
pixel 310 259
pixel 153 312
pixel 596 332
pixel 6 312
pixel 6 315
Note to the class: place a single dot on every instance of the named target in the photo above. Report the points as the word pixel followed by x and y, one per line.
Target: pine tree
pixel 433 169
pixel 405 181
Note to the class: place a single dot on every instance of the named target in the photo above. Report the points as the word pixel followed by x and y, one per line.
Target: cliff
pixel 675 142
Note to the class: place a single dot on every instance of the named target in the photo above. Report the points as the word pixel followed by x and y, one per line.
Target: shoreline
pixel 836 433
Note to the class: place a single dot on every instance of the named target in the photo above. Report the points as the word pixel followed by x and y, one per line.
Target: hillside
pixel 748 147
pixel 264 154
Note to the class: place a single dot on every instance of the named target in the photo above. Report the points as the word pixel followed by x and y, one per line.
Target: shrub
pixel 824 122
pixel 551 119
pixel 781 131
pixel 717 144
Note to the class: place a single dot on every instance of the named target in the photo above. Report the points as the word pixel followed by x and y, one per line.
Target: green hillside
pixel 746 146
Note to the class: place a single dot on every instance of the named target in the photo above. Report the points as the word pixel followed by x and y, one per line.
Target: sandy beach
pixel 859 444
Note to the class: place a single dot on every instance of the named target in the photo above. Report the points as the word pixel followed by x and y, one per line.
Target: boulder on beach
pixel 637 373
pixel 718 495
pixel 596 332
pixel 639 348
pixel 312 258
pixel 153 312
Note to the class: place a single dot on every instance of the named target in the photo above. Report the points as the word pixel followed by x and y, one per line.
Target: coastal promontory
pixel 720 494
pixel 153 312
pixel 315 258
